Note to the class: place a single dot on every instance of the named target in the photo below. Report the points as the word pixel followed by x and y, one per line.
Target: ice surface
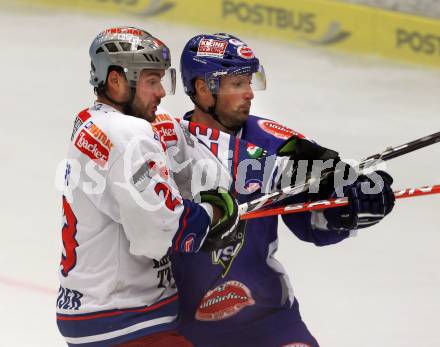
pixel 378 289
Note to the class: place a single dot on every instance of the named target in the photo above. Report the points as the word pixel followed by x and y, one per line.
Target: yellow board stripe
pixel 322 23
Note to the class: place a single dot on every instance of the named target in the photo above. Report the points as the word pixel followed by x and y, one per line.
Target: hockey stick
pixel 332 203
pixel 389 153
pixel 394 152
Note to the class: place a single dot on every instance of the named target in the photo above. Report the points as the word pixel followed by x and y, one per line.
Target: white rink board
pixel 379 289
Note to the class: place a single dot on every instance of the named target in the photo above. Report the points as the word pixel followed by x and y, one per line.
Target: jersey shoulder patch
pixel 93 142
pixel 163 126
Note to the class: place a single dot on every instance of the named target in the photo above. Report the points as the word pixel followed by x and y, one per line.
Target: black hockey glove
pixel 302 154
pixel 229 229
pixel 365 208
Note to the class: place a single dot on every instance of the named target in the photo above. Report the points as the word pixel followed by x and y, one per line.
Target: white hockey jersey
pixel 122 211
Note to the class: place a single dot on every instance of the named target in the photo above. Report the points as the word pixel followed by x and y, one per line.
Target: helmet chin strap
pixel 211 111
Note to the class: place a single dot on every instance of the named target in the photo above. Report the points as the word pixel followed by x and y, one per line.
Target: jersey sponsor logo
pixel 296 344
pixel 276 129
pixel 162 117
pixel 212 48
pixel 226 256
pixel 245 52
pixel 98 134
pixel 91 147
pixel 93 142
pixel 188 243
pixel 69 299
pixel 252 185
pixel 164 127
pixel 224 301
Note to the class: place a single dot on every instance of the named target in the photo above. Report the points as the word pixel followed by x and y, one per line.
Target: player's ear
pixel 113 81
pixel 116 82
pixel 201 88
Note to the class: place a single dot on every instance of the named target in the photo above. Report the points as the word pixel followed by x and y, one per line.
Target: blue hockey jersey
pixel 241 291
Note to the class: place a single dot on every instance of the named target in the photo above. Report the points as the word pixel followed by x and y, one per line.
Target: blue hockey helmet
pixel 212 56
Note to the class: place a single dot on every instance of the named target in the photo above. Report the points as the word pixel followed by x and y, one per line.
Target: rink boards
pixel 320 23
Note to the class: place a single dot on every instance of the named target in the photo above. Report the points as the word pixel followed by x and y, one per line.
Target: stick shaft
pixel 332 203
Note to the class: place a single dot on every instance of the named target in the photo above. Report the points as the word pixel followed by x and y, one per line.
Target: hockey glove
pixel 302 152
pixel 364 209
pixel 228 229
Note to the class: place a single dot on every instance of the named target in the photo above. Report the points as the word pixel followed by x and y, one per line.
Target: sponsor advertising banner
pixel 124 7
pixel 409 38
pixel 320 23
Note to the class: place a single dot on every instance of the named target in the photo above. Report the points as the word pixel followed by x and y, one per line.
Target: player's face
pixel 234 99
pixel 149 92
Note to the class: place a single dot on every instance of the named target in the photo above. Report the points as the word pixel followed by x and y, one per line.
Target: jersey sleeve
pixel 152 212
pixel 312 226
pixel 198 168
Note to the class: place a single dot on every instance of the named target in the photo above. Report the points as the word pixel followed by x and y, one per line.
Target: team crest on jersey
pixel 255 152
pixel 224 301
pixel 226 256
pixel 276 129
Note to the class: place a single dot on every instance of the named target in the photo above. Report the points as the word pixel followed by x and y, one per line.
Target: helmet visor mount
pixel 236 81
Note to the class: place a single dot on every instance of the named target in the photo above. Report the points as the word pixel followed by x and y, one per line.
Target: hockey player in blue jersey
pixel 239 294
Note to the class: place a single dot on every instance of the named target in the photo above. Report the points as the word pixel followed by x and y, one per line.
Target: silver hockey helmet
pixel 133 50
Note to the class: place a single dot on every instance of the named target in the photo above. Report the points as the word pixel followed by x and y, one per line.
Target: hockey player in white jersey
pixel 122 209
